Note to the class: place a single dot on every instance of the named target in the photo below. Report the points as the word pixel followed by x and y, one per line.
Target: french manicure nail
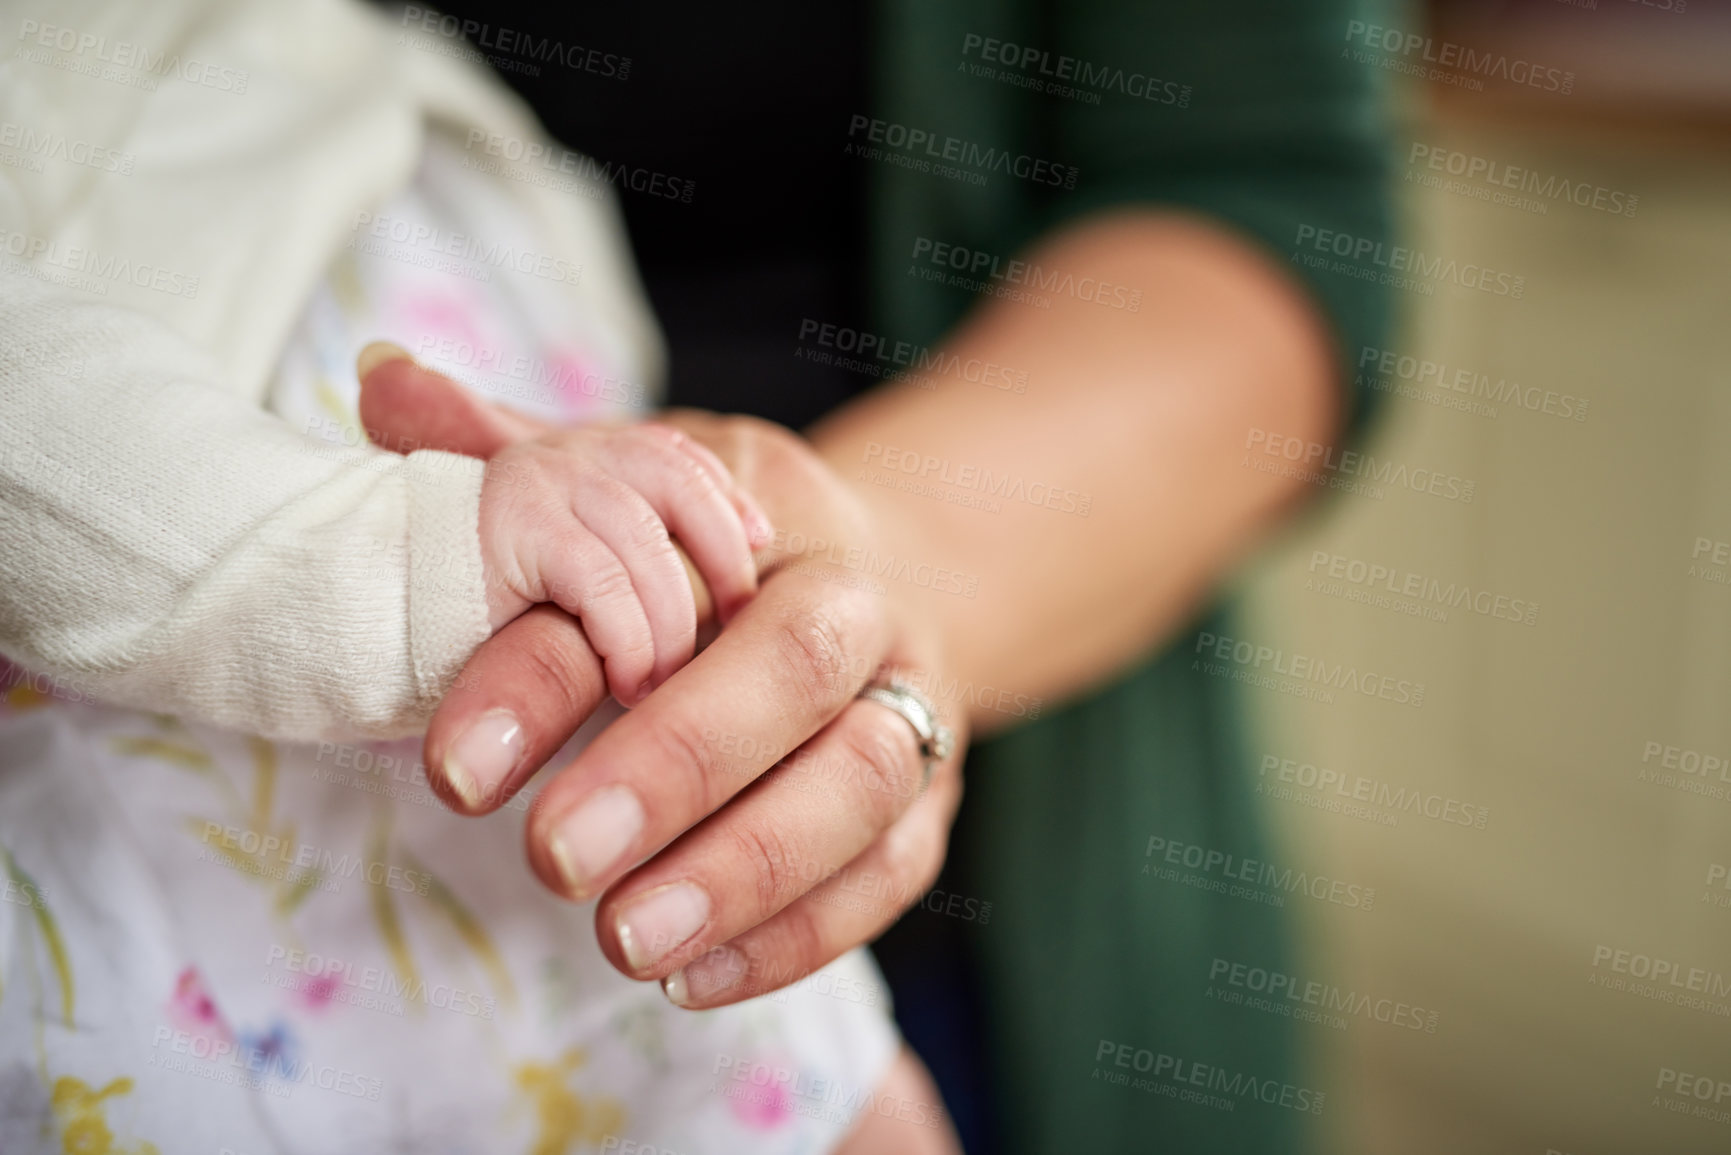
pixel 483 757
pixel 695 982
pixel 589 840
pixel 660 921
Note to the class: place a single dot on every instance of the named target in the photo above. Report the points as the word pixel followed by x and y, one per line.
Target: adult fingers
pixel 405 407
pixel 519 698
pixel 854 905
pixel 787 832
pixel 792 660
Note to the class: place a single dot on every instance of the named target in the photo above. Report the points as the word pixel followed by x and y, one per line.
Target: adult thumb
pixel 405 407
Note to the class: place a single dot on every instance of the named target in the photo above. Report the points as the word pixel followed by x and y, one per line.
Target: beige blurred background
pixel 1597 521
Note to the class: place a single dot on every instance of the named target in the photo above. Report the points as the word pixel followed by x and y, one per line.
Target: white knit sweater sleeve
pixel 166 544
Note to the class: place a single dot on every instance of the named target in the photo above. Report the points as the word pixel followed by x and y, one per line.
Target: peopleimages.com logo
pixel 1065 76
pixel 509 49
pixel 125 61
pixel 1176 1077
pixel 921 148
pixel 1448 62
pixel 1370 259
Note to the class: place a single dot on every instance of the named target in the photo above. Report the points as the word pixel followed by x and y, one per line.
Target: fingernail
pixel 642 692
pixel 590 839
pixel 660 921
pixel 483 756
pixel 376 354
pixel 696 982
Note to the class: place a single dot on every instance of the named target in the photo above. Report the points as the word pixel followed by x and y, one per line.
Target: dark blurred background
pixel 751 102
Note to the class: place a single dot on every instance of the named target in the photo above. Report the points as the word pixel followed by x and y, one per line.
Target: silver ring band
pixel 937 741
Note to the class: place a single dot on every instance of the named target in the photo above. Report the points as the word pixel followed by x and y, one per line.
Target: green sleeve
pixel 1279 128
pixel 1259 118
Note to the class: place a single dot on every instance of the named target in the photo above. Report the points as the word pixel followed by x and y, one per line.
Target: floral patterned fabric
pixel 210 942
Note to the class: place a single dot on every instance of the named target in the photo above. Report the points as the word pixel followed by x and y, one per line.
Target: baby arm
pixel 171 546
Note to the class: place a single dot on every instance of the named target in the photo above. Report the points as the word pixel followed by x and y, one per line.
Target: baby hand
pixel 582 518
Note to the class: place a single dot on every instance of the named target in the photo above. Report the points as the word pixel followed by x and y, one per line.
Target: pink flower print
pixel 764 1105
pixel 193 1010
pixel 447 313
pixel 317 993
pixel 578 382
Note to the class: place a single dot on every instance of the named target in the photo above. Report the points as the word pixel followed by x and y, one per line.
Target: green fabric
pixel 1282 128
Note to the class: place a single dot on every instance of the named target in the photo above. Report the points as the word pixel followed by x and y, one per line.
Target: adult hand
pixel 752 819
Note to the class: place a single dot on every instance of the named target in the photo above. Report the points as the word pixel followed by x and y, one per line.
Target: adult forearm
pixel 1097 508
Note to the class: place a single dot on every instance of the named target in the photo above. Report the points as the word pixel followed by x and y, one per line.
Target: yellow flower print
pixel 83 1128
pixel 565 1119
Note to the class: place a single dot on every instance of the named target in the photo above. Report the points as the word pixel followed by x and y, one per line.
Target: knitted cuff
pixel 447 589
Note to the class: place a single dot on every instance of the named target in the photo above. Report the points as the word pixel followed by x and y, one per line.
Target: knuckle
pixel 686 754
pixel 647 534
pixel 606 583
pixel 694 484
pixel 883 750
pixel 771 864
pixel 799 942
pixel 654 437
pixel 566 671
pixel 691 482
pixel 815 646
pixel 639 524
pixel 664 440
